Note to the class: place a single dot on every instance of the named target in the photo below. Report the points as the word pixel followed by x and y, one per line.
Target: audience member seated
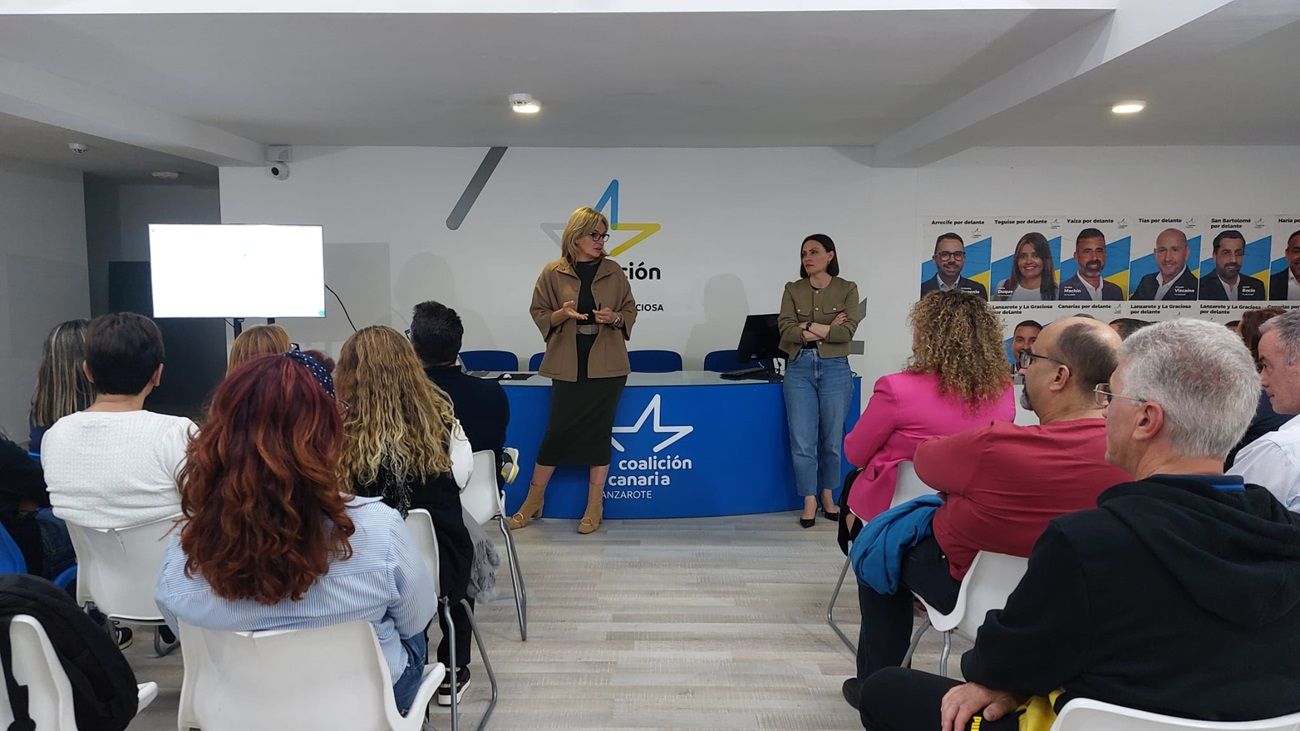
pixel 1273 459
pixel 402 443
pixel 269 542
pixel 1001 484
pixel 481 406
pixel 257 340
pixel 1266 419
pixel 1126 326
pixel 25 513
pixel 955 380
pixel 61 384
pixel 114 464
pixel 1178 595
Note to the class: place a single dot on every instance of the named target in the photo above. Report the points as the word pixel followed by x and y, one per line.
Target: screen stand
pixel 238 324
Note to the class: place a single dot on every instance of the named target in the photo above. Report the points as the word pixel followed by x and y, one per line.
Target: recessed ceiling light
pixel 524 104
pixel 165 174
pixel 1128 107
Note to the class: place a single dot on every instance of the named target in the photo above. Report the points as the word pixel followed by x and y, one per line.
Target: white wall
pixel 43 280
pixel 732 221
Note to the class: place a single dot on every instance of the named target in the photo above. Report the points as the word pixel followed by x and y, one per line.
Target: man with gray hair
pixel 1273 460
pixel 1179 594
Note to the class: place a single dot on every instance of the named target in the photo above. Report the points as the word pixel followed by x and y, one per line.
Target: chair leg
pixel 516 579
pixel 943 656
pixel 161 648
pixel 487 664
pixel 916 640
pixel 830 609
pixel 451 658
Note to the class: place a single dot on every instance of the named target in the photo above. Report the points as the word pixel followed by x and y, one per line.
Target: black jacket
pixel 969 286
pixel 1073 289
pixel 480 405
pixel 1279 285
pixel 1184 288
pixel 1172 597
pixel 1248 288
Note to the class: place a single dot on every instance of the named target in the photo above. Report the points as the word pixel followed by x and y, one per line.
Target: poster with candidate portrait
pixel 1284 270
pixel 1026 257
pixel 1095 260
pixel 1165 262
pixel 1235 263
pixel 956 256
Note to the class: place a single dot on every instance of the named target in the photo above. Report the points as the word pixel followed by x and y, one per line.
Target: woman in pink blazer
pixel 956 379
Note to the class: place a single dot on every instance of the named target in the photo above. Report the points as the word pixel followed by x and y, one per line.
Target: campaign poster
pixel 1026 257
pixel 1095 259
pixel 1284 272
pixel 1164 264
pixel 957 251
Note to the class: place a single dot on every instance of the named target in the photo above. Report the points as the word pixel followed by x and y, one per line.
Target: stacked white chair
pixel 117 571
pixel 1083 714
pixel 329 679
pixel 481 497
pixel 49 694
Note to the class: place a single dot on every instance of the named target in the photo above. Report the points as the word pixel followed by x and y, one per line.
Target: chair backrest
pixel 420 524
pixel 908 486
pixel 654 361
pixel 49 694
pixel 991 579
pixel 1083 714
pixel 722 361
pixel 327 678
pixel 118 567
pixel 535 362
pixel 489 360
pixel 481 498
pixel 11 557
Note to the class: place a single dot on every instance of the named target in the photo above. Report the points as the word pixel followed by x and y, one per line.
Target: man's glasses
pixel 946 255
pixel 598 237
pixel 1102 394
pixel 1027 356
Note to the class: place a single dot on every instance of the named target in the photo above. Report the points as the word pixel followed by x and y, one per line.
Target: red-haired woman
pixel 269 542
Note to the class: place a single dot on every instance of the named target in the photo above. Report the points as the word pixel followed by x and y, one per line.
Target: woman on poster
pixel 1033 277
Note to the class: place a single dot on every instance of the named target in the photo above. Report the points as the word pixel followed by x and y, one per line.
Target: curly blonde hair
pixel 396 418
pixel 958 338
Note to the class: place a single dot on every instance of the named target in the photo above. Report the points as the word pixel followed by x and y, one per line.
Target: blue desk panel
pixel 685 445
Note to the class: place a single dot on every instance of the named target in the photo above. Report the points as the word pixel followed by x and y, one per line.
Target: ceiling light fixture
pixel 1128 107
pixel 524 104
pixel 166 174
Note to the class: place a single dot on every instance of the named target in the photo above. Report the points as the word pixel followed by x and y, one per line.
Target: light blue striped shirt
pixel 385 583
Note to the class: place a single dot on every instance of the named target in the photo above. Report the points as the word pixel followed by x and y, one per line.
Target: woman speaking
pixel 583 305
pixel 819 312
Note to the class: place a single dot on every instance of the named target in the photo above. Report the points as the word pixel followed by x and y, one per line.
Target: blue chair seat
pixel 489 360
pixel 655 361
pixel 724 361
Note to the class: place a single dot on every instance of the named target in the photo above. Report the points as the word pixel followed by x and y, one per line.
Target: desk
pixel 686 444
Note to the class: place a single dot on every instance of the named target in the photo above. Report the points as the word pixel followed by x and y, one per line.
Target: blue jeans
pixel 817 394
pixel 405 687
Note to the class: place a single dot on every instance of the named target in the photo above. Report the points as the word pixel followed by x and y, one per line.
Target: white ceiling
pixel 918 84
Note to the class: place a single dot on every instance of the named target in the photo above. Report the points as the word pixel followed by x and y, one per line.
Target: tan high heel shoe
pixel 591 518
pixel 532 507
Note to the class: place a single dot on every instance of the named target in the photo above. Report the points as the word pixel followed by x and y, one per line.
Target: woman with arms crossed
pixel 583 305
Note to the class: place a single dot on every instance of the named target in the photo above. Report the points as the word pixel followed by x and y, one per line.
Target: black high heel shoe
pixel 835 516
pixel 808 522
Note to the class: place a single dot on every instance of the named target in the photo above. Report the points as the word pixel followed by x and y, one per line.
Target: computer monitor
pixel 760 339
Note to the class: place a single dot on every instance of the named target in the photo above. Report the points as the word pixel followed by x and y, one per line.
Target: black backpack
pixel 104 693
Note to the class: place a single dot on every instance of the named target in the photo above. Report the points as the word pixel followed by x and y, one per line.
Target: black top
pixel 587 304
pixel 1248 288
pixel 480 405
pixel 1172 597
pixel 21 478
pixel 1184 287
pixel 441 497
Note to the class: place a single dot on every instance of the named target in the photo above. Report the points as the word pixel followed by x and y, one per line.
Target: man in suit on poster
pixel 1227 282
pixel 949 258
pixel 1285 285
pixel 1174 281
pixel 1087 284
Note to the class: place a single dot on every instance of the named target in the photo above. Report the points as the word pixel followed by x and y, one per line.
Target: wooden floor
pixel 708 623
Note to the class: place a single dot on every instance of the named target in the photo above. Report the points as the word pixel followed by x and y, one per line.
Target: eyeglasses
pixel 1103 395
pixel 408 333
pixel 599 237
pixel 1027 356
pixel 945 255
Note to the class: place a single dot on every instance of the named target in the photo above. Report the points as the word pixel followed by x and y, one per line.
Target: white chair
pixel 991 579
pixel 326 678
pixel 1082 714
pixel 482 499
pixel 117 571
pixel 49 694
pixel 420 524
pixel 907 487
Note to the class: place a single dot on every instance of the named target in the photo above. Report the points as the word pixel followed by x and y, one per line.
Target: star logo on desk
pixel 608 204
pixel 652 409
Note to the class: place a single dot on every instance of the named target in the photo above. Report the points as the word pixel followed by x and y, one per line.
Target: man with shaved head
pixel 1174 281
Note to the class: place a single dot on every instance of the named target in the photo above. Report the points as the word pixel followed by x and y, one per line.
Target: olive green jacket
pixel 557 284
pixel 801 303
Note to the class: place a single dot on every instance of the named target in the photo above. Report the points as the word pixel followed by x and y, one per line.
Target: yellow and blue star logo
pixel 608 204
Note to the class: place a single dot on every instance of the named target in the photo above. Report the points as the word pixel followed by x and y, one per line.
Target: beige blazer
pixel 557 284
pixel 801 303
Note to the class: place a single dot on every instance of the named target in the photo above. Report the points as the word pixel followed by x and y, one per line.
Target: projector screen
pixel 237 270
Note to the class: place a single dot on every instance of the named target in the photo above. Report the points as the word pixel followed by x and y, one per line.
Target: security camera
pixel 77 148
pixel 278 170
